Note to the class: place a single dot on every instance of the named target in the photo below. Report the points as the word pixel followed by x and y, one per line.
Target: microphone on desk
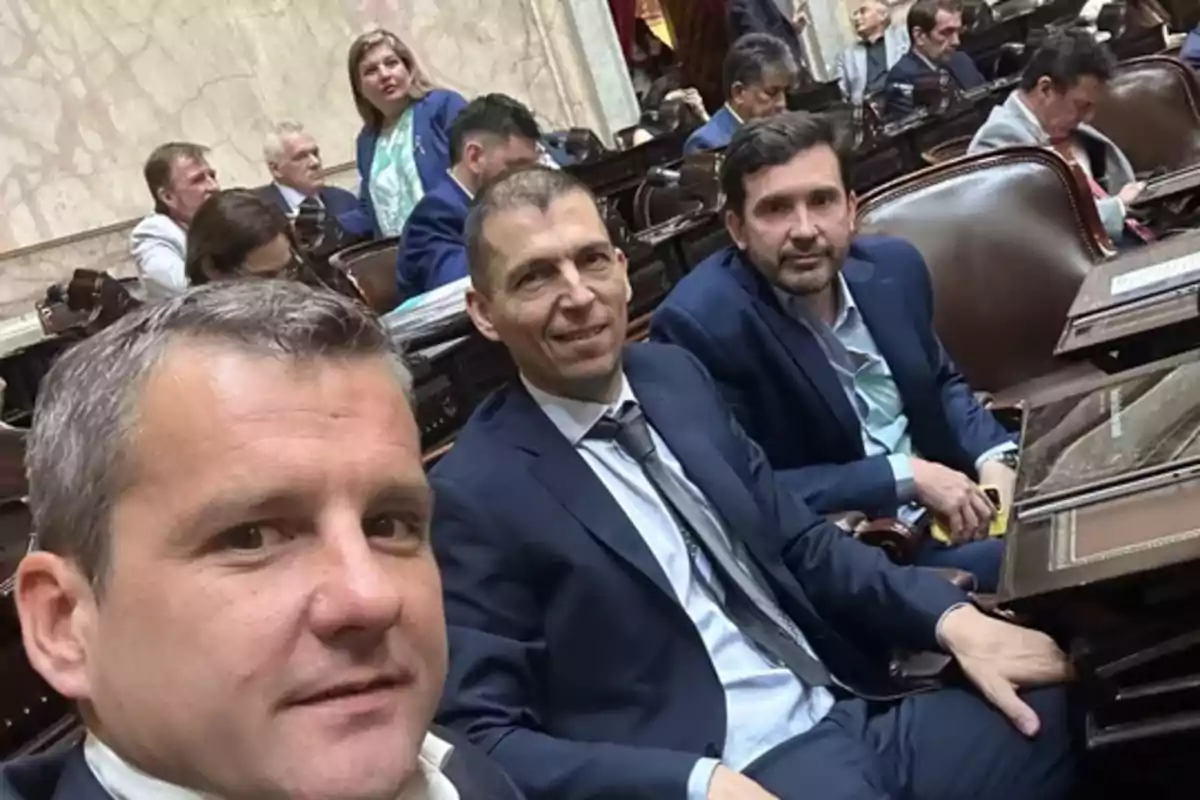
pixel 661 176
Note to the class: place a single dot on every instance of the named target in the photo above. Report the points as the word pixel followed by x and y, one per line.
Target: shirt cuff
pixel 994 453
pixel 902 474
pixel 937 632
pixel 697 785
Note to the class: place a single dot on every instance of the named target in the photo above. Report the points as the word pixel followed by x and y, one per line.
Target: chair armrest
pixel 897 539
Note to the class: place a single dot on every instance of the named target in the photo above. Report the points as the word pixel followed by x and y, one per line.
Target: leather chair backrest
pixel 372 267
pixel 1152 112
pixel 1008 236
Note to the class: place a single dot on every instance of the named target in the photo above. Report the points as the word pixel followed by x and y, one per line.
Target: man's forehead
pixel 517 232
pixel 813 168
pixel 188 165
pixel 945 18
pixel 298 140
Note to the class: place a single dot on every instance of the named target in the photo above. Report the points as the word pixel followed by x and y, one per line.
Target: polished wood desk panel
pixel 1139 306
pixel 1108 494
pixel 1170 186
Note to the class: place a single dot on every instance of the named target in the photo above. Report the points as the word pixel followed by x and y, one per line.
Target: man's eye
pixel 392 526
pixel 251 537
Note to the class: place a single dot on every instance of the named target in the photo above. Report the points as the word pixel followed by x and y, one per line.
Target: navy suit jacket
pixel 1191 48
pixel 432 250
pixel 713 134
pixel 911 67
pixel 787 395
pixel 433 115
pixel 336 201
pixel 572 661
pixel 66 776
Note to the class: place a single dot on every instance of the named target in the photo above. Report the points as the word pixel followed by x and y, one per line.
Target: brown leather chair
pixel 371 266
pixel 1152 112
pixel 1008 236
pixel 947 150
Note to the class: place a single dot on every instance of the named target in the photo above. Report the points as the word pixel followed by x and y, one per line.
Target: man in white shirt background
pixel 238 590
pixel 180 179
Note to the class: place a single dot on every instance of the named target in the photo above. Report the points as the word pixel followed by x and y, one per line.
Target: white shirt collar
pixel 846 305
pixel 734 114
pixel 294 198
pixel 470 195
pixel 124 781
pixel 574 418
pixel 1030 117
pixel 928 61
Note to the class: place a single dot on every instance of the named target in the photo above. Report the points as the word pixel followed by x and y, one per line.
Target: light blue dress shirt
pixel 868 384
pixel 765 704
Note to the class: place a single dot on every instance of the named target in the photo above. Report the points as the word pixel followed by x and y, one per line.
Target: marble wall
pixel 91 86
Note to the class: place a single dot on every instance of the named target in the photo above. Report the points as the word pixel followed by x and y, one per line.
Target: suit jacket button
pixel 712 751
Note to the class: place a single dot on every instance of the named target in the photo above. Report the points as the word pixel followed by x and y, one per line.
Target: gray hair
pixel 78 454
pixel 273 141
pixel 533 186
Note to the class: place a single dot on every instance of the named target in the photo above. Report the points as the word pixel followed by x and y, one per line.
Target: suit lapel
pixel 570 481
pixel 802 348
pixel 703 463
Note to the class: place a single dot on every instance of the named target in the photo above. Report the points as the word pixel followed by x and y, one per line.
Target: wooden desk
pixel 1137 307
pixel 1170 187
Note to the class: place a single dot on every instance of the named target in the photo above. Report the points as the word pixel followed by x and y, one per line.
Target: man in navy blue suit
pixel 492 134
pixel 757 73
pixel 636 611
pixel 1190 52
pixel 935 29
pixel 238 589
pixel 298 181
pixel 823 344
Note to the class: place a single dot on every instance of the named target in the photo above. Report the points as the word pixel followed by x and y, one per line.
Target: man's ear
pixel 852 207
pixel 57 608
pixel 623 264
pixel 736 228
pixel 479 309
pixel 273 167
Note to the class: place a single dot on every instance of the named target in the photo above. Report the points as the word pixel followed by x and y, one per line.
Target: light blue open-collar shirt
pixel 868 384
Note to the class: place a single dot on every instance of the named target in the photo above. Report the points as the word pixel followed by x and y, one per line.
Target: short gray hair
pixel 78 452
pixel 273 141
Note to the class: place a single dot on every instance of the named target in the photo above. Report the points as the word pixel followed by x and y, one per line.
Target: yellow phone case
pixel 999 523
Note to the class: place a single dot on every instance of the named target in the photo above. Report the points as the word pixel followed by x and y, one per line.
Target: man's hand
pixel 800 20
pixel 999 657
pixel 955 498
pixel 726 784
pixel 1130 192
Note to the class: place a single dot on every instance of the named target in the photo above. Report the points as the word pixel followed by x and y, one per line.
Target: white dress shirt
pixel 124 781
pixel 765 704
pixel 294 198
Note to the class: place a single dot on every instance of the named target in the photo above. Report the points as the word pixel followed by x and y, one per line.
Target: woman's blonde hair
pixel 419 83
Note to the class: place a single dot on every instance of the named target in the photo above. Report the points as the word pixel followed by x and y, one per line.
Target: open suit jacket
pixel 433 250
pixel 572 662
pixel 786 394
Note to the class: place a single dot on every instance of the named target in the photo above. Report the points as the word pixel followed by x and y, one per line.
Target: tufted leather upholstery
pixel 372 268
pixel 1152 112
pixel 1008 236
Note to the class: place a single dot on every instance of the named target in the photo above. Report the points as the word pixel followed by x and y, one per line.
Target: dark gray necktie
pixel 746 599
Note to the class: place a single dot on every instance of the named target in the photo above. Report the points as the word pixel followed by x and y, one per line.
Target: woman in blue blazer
pixel 404 145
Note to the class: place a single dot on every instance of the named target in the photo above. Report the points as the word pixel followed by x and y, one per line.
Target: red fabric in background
pixel 624 14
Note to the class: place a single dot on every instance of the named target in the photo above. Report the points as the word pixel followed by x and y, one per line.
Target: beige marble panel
pixel 91 86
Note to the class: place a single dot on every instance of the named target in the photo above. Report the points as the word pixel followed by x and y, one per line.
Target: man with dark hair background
pixel 935 29
pixel 1059 90
pixel 490 135
pixel 758 72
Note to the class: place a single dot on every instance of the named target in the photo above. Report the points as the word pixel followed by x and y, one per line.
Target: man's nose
pixel 355 592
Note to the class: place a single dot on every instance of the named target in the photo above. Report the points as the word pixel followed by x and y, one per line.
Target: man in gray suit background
pixel 1058 92
pixel 862 68
pixel 179 178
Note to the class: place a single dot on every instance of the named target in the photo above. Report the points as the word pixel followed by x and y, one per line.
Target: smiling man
pixel 233 576
pixel 636 611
